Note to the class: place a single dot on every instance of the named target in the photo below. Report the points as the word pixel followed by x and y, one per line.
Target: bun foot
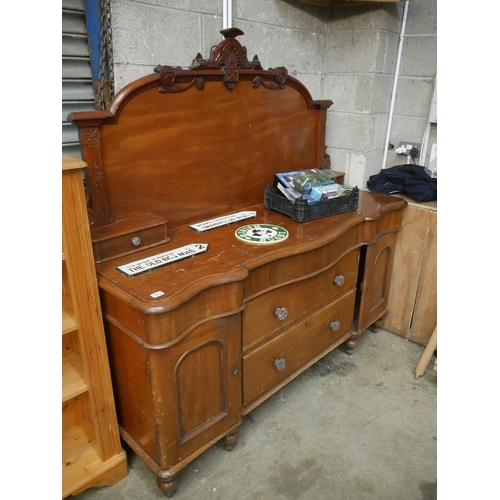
pixel 230 440
pixel 168 486
pixel 351 344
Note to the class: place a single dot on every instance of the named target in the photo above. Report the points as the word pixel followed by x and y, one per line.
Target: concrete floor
pixel 351 427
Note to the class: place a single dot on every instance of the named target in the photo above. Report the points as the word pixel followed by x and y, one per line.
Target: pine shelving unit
pixel 91 450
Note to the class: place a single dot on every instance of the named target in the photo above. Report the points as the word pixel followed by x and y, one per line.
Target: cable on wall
pixel 427 133
pixel 395 85
pixel 227 14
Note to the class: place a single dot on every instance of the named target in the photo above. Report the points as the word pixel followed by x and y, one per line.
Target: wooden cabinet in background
pixel 91 449
pixel 412 304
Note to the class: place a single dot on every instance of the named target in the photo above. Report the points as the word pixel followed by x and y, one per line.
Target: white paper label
pixel 162 259
pixel 222 221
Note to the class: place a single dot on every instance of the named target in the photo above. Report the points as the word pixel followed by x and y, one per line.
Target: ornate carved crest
pixel 229 57
pixel 228 54
pixel 168 77
pixel 280 76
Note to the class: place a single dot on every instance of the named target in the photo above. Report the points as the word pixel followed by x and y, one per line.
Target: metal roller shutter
pixel 77 84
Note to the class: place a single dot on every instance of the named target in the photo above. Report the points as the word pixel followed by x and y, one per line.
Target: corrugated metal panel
pixel 74 22
pixel 74 45
pixel 69 133
pixel 74 90
pixel 70 106
pixel 76 68
pixel 77 86
pixel 74 4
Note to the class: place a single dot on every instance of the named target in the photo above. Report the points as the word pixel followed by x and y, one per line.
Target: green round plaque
pixel 261 234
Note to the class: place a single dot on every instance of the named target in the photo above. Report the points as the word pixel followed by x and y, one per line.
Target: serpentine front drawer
pixel 276 310
pixel 281 357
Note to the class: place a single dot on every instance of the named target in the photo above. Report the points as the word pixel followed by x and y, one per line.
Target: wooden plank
pixel 72 163
pixel 422 205
pixel 68 316
pixel 73 374
pixel 91 451
pixel 74 411
pixel 427 354
pixel 82 467
pixel 408 256
pixel 80 267
pixel 425 311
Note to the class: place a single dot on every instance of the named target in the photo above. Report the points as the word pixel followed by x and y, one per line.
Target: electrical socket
pixel 405 148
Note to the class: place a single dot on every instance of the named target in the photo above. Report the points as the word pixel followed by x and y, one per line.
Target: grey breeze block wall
pixel 344 54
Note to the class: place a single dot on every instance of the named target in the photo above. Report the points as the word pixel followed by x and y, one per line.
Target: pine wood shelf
pixel 91 449
pixel 82 467
pixel 73 374
pixel 68 316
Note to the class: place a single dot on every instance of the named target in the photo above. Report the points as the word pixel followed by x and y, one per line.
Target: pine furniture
pixel 412 303
pixel 91 451
pixel 196 344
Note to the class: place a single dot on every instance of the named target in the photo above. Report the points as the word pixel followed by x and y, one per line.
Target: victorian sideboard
pixel 198 341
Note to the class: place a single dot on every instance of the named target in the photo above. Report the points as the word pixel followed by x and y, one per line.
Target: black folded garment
pixel 411 180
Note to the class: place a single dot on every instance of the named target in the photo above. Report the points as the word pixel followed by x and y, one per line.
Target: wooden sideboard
pixel 197 343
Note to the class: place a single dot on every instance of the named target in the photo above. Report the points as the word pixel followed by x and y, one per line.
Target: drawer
pixel 283 356
pixel 127 236
pixel 294 267
pixel 274 311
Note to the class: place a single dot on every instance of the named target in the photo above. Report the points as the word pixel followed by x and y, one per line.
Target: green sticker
pixel 261 234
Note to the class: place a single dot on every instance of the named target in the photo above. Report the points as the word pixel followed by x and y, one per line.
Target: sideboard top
pixel 229 260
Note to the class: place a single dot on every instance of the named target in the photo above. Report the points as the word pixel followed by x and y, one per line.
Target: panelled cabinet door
pixel 376 280
pixel 202 388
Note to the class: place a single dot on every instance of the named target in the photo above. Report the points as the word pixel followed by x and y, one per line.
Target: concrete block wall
pixel 344 54
pixel 417 77
pixel 362 45
pixel 280 33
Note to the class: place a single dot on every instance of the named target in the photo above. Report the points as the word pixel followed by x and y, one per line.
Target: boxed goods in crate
pixel 309 194
pixel 301 182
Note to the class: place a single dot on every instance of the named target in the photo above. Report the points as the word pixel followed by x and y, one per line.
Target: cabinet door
pixel 376 280
pixel 197 388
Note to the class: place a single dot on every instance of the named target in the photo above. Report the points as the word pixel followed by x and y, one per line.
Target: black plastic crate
pixel 303 211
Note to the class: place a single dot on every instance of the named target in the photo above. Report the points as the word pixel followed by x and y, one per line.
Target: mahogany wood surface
pixel 196 344
pixel 185 152
pixel 295 347
pixel 261 320
pixel 128 235
pixel 230 260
